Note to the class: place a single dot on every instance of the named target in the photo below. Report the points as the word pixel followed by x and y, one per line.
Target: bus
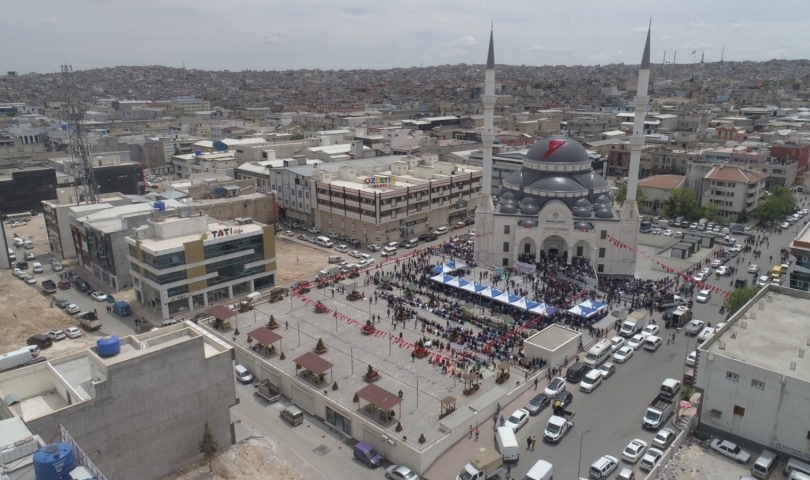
pixel 646 226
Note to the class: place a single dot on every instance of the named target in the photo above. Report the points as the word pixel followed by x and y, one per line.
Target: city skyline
pixel 256 35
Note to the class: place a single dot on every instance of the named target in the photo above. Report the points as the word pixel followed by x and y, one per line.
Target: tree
pixel 621 195
pixel 208 446
pixel 683 203
pixel 738 298
pixel 780 203
pixel 712 212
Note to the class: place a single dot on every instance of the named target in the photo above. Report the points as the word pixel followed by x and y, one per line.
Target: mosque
pixel 556 205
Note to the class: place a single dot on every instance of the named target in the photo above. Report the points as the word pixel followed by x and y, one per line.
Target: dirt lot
pixel 296 261
pixel 34 231
pixel 251 459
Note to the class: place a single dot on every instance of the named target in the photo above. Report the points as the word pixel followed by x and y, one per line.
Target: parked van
pixel 542 470
pixel 598 353
pixel 764 465
pixel 393 245
pixel 797 475
pixel 797 465
pixel 441 231
pixel 28 244
pixel 670 388
pixel 592 380
pixel 324 242
pixel 335 259
pixel 577 372
pixel 412 243
pixel 388 252
pixel 367 455
pixel 242 374
pixel 293 415
pixel 776 271
pixel 652 343
pixel 507 444
pixel 11 255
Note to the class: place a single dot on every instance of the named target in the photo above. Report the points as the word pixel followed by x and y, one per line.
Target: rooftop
pixel 727 173
pixel 769 332
pixel 663 182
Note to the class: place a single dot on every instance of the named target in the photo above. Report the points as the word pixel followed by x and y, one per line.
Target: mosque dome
pixel 558 149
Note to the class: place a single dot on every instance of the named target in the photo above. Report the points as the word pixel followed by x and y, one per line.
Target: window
pixel 738 410
pixel 506 229
pixel 602 252
pixel 505 262
pixel 732 376
pixel 600 268
pixel 603 235
pixel 506 246
pixel 758 384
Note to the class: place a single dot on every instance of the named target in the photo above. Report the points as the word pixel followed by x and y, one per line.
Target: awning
pixel 265 335
pixel 379 397
pixel 220 312
pixel 520 302
pixel 593 305
pixel 313 363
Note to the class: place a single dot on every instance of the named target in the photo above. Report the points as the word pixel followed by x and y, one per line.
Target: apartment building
pixel 800 269
pixel 187 104
pixel 735 190
pixel 658 191
pixel 183 262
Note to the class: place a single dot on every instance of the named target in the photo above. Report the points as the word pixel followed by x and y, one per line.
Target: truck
pixel 487 463
pixel 558 425
pixel 15 359
pixel 48 286
pixel 268 390
pixel 669 301
pixel 645 227
pixel 89 320
pixel 702 224
pixel 680 317
pixel 658 412
pixel 328 272
pixel 633 324
pixel 738 228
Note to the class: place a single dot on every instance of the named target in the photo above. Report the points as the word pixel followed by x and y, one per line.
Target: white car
pixel 603 467
pixel 18 273
pixel 716 263
pixel 555 386
pixel 518 418
pixel 37 267
pixel 691 358
pixel 716 229
pixel 374 247
pixel 725 231
pixel 667 233
pixel 699 277
pixel 705 334
pixel 289 233
pixel 678 234
pixel 623 354
pixel 366 256
pixel 704 296
pixel 30 280
pixel 342 248
pixel 651 459
pixel 636 342
pixel 731 450
pixel 400 472
pixel 616 343
pixel 722 271
pixel 73 308
pixel 753 268
pixel 785 225
pixel 315 230
pixel 99 296
pixel 656 231
pixel 762 280
pixel 57 335
pixel 804 211
pixel 634 450
pixel 73 332
pixel 364 263
pixel 354 253
pixel 707 270
pixel 651 329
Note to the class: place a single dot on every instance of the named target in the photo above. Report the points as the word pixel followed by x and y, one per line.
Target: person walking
pixel 535 383
pixel 477 432
pixel 534 441
pixel 471 431
pixel 502 420
pixel 529 442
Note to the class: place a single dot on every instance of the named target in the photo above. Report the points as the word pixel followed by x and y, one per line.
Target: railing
pixel 79 455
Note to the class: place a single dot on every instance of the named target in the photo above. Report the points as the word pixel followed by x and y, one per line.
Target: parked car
pixel 651 329
pixel 73 308
pixel 36 267
pixel 518 418
pixel 603 467
pixel 354 253
pixel 651 459
pixel 30 256
pixel 753 268
pixel 73 332
pixel 667 233
pixel 555 386
pixel 30 280
pixel 608 369
pixel 704 295
pixel 616 343
pixel 731 450
pixel 664 437
pixel 99 296
pixel 690 359
pixel 374 247
pixel 62 302
pixel 563 399
pixel 289 233
pixel 400 472
pixel 716 263
pixel 722 271
pixel 623 354
pixel 57 335
pixel 342 248
pixel 700 277
pixel 636 341
pixel 634 450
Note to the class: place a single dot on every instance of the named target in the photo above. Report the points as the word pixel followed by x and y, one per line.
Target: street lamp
pixel 582 434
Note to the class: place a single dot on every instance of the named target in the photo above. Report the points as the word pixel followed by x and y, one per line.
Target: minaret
pixel 486 208
pixel 637 140
pixel 702 54
pixel 721 53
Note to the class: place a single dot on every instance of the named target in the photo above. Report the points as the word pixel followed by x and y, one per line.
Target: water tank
pixel 54 461
pixel 160 206
pixel 107 347
pixel 198 152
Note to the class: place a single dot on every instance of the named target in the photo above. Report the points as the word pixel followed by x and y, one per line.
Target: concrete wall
pixel 149 415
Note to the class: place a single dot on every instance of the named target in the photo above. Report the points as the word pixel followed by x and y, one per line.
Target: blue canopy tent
pixel 520 302
pixel 503 297
pixel 583 312
pixel 442 278
pixel 594 305
pixel 473 287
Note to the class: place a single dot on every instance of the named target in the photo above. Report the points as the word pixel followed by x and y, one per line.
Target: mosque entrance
pixel 555 247
pixel 527 251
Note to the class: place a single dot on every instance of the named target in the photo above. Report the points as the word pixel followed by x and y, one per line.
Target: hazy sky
pixel 40 35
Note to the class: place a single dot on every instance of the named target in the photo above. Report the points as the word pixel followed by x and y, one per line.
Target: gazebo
pixel 448 406
pixel 471 384
pixel 221 316
pixel 314 366
pixel 502 372
pixel 380 398
pixel 265 338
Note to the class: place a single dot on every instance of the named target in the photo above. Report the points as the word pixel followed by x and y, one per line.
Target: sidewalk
pixel 450 463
